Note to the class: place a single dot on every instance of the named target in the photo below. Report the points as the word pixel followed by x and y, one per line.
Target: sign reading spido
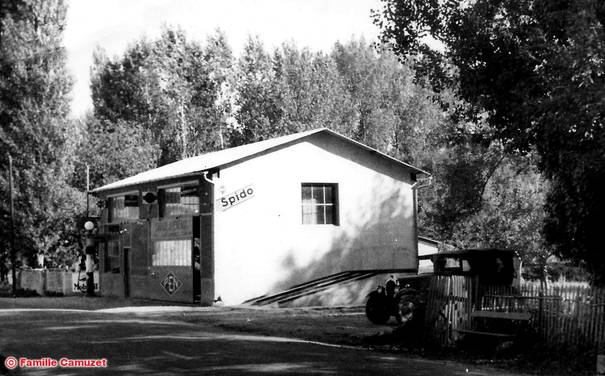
pixel 237 197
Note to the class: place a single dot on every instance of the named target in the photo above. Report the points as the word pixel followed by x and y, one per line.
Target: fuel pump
pixel 90 249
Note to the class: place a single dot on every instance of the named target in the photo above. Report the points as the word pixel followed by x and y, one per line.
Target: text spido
pixel 236 197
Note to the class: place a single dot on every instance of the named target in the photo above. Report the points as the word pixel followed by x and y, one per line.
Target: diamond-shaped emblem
pixel 171 283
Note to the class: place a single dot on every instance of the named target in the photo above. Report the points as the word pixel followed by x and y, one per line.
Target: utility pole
pixel 12 211
pixel 87 188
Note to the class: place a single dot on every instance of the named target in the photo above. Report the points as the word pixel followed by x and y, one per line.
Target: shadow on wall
pixel 382 239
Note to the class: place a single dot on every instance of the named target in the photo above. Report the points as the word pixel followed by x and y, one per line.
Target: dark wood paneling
pixel 150 286
pixel 207 243
pixel 145 280
pixel 139 262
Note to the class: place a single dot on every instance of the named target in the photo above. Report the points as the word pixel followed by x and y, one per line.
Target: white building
pixel 258 218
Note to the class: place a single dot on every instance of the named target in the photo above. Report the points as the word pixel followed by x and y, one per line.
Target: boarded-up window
pixel 112 257
pixel 123 208
pixel 319 204
pixel 180 200
pixel 171 253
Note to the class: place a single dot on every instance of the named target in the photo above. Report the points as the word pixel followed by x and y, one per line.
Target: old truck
pixel 406 302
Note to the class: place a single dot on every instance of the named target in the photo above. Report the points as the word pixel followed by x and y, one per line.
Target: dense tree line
pixel 168 98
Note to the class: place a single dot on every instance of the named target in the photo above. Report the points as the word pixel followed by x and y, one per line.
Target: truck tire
pixel 377 309
pixel 410 306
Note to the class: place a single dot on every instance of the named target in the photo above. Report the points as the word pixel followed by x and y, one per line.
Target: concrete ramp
pixel 349 288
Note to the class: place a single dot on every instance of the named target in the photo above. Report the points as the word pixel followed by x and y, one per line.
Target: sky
pixel 114 24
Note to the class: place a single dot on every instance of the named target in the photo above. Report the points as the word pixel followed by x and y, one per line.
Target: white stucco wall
pixel 261 245
pixel 426 248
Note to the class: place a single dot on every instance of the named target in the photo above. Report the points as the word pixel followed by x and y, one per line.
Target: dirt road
pixel 189 340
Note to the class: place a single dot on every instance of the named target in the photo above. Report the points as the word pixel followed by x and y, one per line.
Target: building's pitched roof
pixel 224 157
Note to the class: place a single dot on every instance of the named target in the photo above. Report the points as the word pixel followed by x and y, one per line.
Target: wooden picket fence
pixel 448 305
pixel 570 316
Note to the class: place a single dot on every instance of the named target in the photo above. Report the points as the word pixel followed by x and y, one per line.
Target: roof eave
pixel 105 189
pixel 376 151
pixel 269 149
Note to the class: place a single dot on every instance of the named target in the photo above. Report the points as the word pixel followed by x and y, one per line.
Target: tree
pixel 257 110
pixel 461 175
pixel 35 129
pixel 220 58
pixel 310 91
pixel 535 70
pixel 169 86
pixel 356 90
pixel 392 113
pixel 113 151
pixel 512 213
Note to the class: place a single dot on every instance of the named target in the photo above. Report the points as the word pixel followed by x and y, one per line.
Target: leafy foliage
pixel 170 87
pixel 114 151
pixel 356 90
pixel 534 70
pixel 35 129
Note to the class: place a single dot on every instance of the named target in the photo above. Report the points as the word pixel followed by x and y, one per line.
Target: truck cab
pixel 490 266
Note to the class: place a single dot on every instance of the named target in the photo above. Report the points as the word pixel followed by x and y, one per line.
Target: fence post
pixel 599 305
pixel 541 312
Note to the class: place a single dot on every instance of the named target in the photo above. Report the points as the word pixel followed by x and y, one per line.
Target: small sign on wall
pixel 236 197
pixel 171 228
pixel 171 283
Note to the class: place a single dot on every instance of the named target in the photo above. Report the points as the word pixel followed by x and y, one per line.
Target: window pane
pixel 123 208
pixel 180 200
pixel 318 194
pixel 306 193
pixel 320 215
pixel 309 214
pixel 173 195
pixel 329 215
pixel 131 212
pixel 328 194
pixel 131 200
pixel 171 252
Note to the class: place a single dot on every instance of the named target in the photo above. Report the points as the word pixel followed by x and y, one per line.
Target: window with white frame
pixel 319 204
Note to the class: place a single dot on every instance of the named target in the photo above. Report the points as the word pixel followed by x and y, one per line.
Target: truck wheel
pixel 408 307
pixel 377 309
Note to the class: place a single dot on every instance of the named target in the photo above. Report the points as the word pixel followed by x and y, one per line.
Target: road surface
pixel 144 343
